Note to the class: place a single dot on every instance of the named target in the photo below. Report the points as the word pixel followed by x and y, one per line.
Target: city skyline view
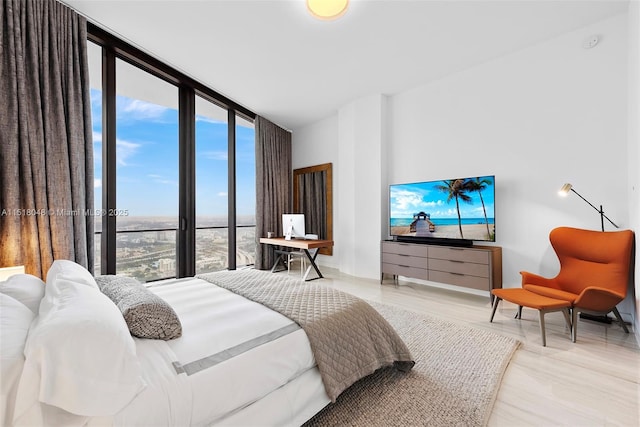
pixel 147 188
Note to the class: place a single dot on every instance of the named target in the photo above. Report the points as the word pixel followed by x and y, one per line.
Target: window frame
pixel 114 48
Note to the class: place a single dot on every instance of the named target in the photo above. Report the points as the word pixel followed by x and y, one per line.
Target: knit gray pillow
pixel 147 315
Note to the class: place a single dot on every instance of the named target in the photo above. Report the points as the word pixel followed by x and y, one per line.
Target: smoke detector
pixel 590 42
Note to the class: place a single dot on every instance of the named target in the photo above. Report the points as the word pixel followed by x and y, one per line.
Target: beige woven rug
pixel 454 382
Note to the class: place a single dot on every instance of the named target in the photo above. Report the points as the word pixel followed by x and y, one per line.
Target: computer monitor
pixel 293 226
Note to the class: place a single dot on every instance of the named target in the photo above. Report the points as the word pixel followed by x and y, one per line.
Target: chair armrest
pixel 534 279
pixel 600 299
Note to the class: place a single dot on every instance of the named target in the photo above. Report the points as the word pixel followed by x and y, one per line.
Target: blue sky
pixel 147 161
pixel 409 199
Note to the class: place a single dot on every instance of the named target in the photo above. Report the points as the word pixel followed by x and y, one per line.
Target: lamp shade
pixel 327 9
pixel 564 190
pixel 7 272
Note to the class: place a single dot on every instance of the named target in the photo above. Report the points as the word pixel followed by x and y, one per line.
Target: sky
pixel 147 161
pixel 409 199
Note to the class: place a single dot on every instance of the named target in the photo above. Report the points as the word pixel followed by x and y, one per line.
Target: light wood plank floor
pixel 594 382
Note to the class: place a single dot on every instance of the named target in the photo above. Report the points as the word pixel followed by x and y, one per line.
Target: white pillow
pixel 62 268
pixel 26 288
pixel 15 319
pixel 80 356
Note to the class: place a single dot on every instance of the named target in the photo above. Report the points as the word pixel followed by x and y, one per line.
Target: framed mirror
pixel 313 196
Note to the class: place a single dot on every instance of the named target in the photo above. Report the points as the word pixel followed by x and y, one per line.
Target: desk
pixel 305 245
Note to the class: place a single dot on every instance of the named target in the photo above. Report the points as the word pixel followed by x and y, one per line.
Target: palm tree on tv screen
pixel 456 189
pixel 478 185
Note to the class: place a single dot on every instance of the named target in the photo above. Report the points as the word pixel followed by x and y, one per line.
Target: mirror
pixel 313 196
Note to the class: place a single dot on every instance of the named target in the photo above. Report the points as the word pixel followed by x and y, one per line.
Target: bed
pixel 235 361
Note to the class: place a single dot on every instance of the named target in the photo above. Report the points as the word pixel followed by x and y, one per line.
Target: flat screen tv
pixel 450 211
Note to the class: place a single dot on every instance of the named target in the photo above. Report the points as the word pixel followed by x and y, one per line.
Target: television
pixel 450 212
pixel 293 226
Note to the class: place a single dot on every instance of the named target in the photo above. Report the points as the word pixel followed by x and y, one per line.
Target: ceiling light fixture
pixel 327 9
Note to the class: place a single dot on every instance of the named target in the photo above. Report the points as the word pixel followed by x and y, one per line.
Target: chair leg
pixel 542 329
pixel 519 313
pixel 617 314
pixel 496 300
pixel 567 319
pixel 574 324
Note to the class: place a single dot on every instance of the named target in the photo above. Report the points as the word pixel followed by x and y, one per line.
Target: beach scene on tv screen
pixel 461 208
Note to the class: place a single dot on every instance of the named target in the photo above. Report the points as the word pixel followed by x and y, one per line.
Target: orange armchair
pixel 594 271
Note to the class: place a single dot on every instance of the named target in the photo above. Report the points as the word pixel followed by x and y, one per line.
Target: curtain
pixel 273 184
pixel 313 202
pixel 46 147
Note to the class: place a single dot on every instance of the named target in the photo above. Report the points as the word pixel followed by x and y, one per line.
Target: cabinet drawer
pixel 459 254
pixel 404 249
pixel 406 260
pixel 460 267
pixel 474 282
pixel 408 271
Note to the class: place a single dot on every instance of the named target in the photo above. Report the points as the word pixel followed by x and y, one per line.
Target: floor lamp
pixel 563 192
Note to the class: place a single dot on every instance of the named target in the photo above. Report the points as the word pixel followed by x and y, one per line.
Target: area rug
pixel 454 382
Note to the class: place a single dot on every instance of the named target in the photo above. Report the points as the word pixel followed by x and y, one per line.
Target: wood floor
pixel 593 382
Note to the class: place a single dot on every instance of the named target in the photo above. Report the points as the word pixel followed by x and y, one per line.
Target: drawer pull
pixel 457 274
pixel 456 261
pixel 404 266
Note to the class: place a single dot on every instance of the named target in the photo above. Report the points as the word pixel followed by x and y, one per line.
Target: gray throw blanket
pixel 349 338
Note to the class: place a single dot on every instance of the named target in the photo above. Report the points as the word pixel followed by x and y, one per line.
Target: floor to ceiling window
pixel 212 183
pixel 245 192
pixel 146 209
pixel 174 168
pixel 94 60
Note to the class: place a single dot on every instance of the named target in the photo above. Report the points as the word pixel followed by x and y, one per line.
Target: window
pixel 146 208
pixel 94 59
pixel 212 184
pixel 245 192
pixel 162 163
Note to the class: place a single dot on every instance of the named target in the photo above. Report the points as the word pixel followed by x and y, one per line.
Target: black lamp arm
pixel 600 211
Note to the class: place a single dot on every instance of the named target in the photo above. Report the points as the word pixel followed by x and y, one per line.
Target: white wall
pixel 634 138
pixel 317 144
pixel 359 174
pixel 537 118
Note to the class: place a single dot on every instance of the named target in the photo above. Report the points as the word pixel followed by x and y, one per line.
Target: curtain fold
pixel 46 146
pixel 273 184
pixel 313 202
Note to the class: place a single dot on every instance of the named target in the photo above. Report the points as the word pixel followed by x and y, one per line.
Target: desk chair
pixel 299 255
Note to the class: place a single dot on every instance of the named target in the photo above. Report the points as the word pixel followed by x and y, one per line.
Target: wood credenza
pixel 476 267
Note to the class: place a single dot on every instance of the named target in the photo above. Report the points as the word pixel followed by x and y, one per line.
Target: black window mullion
pixel 186 251
pixel 108 239
pixel 231 132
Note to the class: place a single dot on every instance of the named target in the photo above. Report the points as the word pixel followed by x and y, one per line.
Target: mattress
pixel 237 363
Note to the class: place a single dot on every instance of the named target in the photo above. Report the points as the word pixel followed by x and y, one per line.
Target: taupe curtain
pixel 273 184
pixel 46 147
pixel 313 202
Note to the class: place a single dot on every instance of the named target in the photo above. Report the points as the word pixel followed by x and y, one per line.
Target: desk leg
pixel 277 261
pixel 312 261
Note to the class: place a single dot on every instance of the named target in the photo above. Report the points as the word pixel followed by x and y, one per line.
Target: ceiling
pixel 277 60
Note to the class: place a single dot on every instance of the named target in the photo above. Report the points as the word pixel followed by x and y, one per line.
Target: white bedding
pixel 216 322
pixel 237 362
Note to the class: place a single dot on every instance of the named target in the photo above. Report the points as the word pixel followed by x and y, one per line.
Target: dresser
pixel 475 267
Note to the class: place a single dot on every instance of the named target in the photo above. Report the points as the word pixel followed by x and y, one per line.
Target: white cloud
pixel 159 179
pixel 222 194
pixel 209 120
pixel 97 183
pixel 97 137
pixel 137 109
pixel 215 155
pixel 125 150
